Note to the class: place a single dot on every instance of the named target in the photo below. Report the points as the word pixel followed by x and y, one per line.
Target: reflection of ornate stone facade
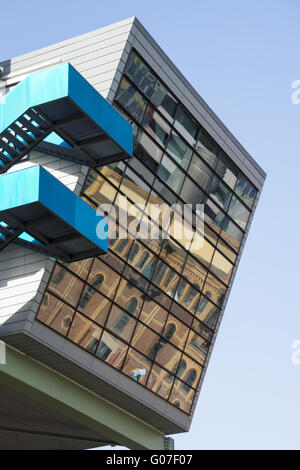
pixel 159 335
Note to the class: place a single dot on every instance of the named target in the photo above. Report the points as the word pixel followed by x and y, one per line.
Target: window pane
pixel 192 374
pixel 131 99
pixel 180 333
pixel 94 305
pixel 156 126
pixel 120 323
pixel 153 315
pixel 180 400
pixel 103 278
pixel 185 125
pixel 221 267
pixel 84 333
pixel 207 148
pixel 65 285
pixel 214 289
pixel 207 312
pixel 194 272
pixel 170 174
pixel 140 74
pixel 202 249
pixel 227 170
pixel 111 350
pixel 127 291
pixel 191 193
pixel 197 347
pixel 179 150
pixel 81 268
pixel 136 366
pixel 201 173
pixel 231 234
pixel 159 381
pixel 164 101
pixel 99 189
pixel 134 188
pixel 238 212
pixel 245 190
pixel 56 314
pixel 227 251
pixel 173 254
pixel 147 151
pixel 219 193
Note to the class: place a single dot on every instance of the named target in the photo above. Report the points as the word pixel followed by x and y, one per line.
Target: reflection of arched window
pixel 148 270
pixel 132 306
pixel 180 289
pixel 171 328
pixel 181 368
pixel 124 319
pixel 143 260
pixel 190 379
pixel 177 403
pixel 96 283
pixel 169 278
pixel 121 245
pixel 58 276
pixel 159 272
pixel 133 252
pixel 191 294
pixel 179 372
pixel 203 302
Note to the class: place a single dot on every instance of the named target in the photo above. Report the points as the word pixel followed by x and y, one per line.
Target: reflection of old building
pixel 150 307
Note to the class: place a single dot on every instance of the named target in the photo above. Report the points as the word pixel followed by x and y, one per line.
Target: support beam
pixel 56 392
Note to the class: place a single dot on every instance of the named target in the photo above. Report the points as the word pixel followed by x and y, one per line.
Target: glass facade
pixel 149 307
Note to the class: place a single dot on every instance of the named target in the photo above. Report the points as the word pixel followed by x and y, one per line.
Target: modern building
pixel 113 349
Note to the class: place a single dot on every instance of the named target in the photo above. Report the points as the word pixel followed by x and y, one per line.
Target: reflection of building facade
pixel 150 308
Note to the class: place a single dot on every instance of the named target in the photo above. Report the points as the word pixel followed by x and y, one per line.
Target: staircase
pixel 21 137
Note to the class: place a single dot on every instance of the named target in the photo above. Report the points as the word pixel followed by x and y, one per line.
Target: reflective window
pixel 164 101
pixel 191 193
pixel 170 174
pixel 147 151
pixel 227 170
pixel 179 150
pixel 140 74
pixel 66 285
pixel 207 312
pixel 128 96
pixel 159 382
pixel 185 125
pixel 201 173
pixel 85 333
pixel 245 190
pixel 136 366
pixel 207 148
pixel 56 314
pixel 111 350
pixel 120 323
pixel 231 234
pixel 197 347
pixel 156 126
pixel 94 305
pixel 221 267
pixel 219 193
pixel 153 315
pixel 81 268
pixel 238 212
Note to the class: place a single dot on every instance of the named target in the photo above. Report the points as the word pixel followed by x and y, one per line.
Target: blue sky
pixel 242 58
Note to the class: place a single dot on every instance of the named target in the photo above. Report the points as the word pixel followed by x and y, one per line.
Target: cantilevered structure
pixel 114 348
